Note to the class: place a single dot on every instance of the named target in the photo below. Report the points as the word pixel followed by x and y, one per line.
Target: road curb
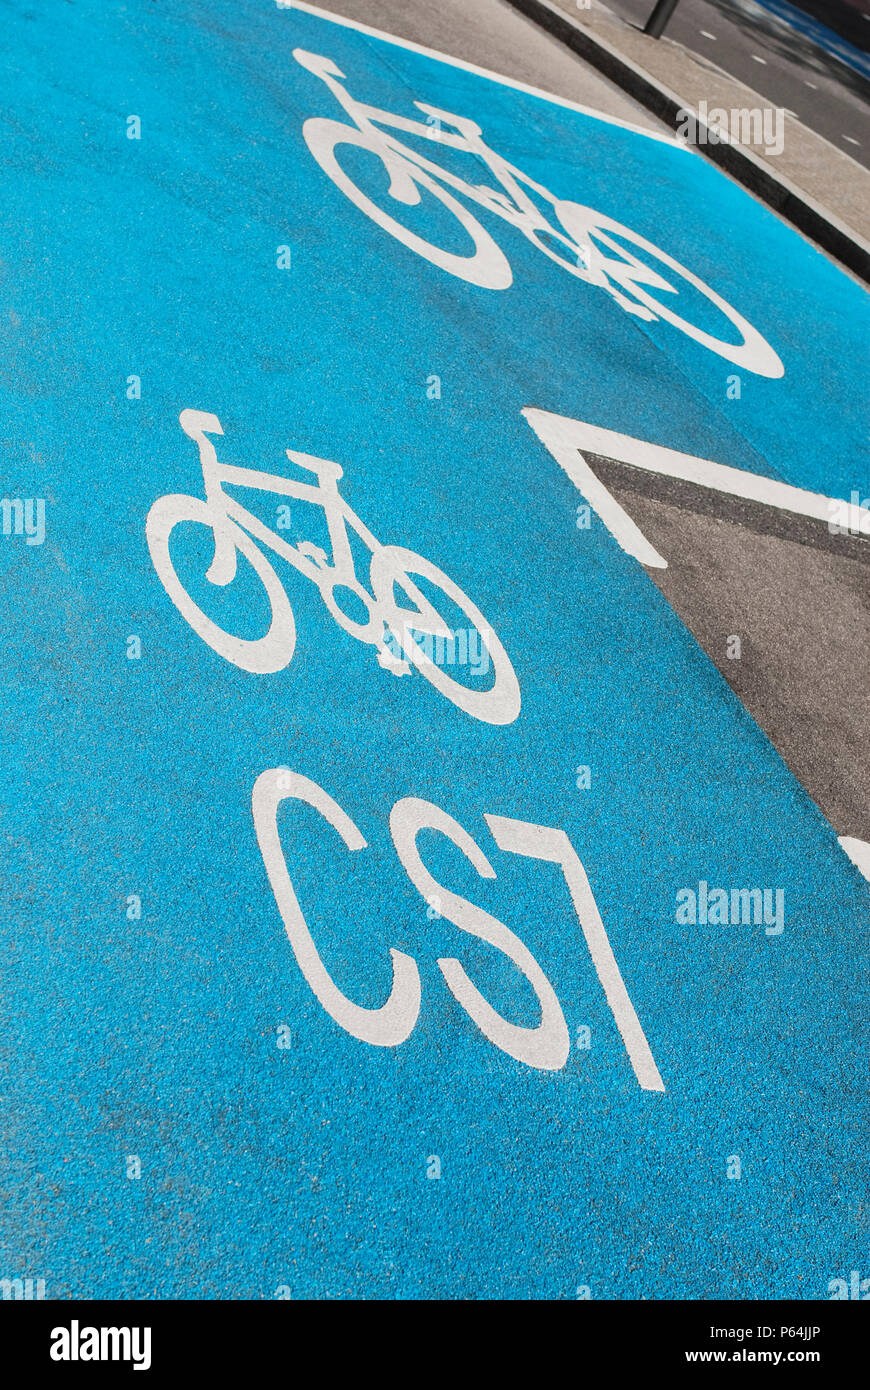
pixel 779 193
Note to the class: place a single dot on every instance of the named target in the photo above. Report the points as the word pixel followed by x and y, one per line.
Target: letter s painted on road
pixel 546 1046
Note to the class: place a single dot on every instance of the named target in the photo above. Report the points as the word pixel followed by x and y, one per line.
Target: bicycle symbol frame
pixel 389 625
pixel 579 236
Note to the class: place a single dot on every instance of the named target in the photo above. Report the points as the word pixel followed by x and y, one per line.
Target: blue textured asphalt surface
pixel 305 1167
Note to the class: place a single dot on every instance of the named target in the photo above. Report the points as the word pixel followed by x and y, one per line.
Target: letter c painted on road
pixel 394 1021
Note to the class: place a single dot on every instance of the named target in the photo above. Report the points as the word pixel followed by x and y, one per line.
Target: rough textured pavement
pixel 536 975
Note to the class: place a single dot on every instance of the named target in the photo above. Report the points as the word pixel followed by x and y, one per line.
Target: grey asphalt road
pixel 798 597
pixel 750 43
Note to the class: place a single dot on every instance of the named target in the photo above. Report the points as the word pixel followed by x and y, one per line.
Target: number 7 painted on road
pixel 546 1046
pixel 542 842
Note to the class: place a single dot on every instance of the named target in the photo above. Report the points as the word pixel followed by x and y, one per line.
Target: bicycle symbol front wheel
pixel 262 655
pixel 487 266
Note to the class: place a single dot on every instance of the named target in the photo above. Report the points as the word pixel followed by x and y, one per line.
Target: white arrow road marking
pixel 569 440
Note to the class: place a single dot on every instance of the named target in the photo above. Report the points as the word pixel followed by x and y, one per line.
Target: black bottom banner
pixel 168 1339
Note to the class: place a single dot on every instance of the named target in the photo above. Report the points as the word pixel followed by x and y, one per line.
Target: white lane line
pixel 859 853
pixel 561 437
pixel 756 59
pixel 569 440
pixel 664 138
pixel 851 141
pixel 705 35
pixel 810 84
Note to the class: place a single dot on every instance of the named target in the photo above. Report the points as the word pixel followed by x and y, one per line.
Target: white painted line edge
pixel 568 440
pixel 561 436
pixel 663 137
pixel 858 851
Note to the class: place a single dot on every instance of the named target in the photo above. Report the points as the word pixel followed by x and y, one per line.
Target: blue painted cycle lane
pixel 276 1151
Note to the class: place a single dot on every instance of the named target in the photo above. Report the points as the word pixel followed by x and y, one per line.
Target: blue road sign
pixel 397 901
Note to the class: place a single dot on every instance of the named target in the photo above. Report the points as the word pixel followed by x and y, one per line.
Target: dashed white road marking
pixel 705 35
pixel 810 84
pixel 851 141
pixel 756 59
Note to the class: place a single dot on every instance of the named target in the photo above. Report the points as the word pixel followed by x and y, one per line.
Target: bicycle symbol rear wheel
pixel 392 566
pixel 636 277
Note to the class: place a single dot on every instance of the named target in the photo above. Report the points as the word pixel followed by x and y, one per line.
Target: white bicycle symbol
pixel 580 236
pixel 390 625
